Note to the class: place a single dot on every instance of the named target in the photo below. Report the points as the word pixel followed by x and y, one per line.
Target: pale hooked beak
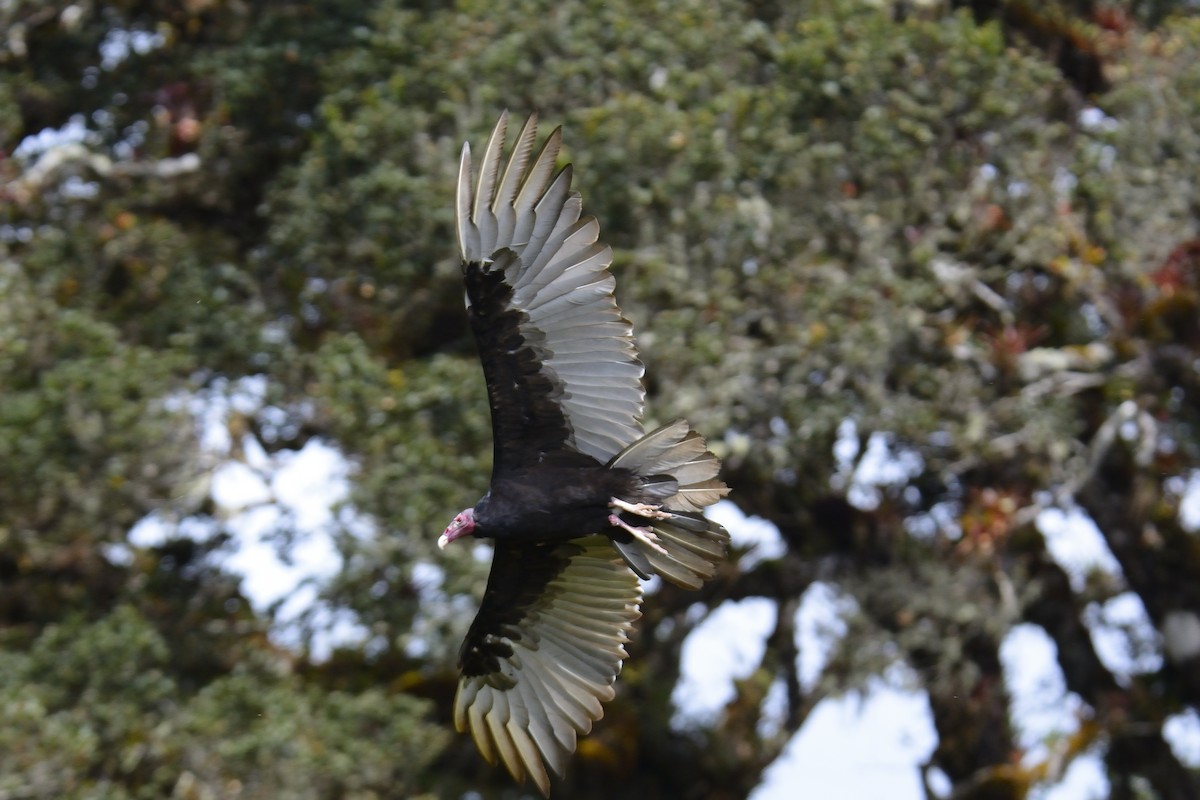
pixel 463 525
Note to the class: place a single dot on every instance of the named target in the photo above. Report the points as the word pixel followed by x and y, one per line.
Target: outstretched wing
pixel 544 650
pixel 559 359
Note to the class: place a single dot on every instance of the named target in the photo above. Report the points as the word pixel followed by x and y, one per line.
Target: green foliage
pixel 71 730
pixel 306 742
pixel 898 215
pixel 91 710
pixel 87 438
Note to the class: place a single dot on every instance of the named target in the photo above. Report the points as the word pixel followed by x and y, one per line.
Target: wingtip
pixel 462 200
pixel 489 165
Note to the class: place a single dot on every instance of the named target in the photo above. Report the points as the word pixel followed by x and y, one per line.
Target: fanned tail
pixel 680 479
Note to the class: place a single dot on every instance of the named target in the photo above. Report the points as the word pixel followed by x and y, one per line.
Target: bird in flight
pixel 582 501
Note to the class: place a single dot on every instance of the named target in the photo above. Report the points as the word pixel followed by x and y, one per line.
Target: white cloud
pixel 1182 732
pixel 868 745
pixel 236 486
pixel 1189 506
pixel 819 627
pixel 760 537
pixel 1085 779
pixel 880 466
pixel 74 131
pixel 727 645
pixel 1124 638
pixel 1076 544
pixel 1042 708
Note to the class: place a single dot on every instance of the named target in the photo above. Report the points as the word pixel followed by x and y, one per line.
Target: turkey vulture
pixel 582 501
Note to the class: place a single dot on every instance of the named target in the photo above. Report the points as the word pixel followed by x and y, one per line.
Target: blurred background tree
pixel 965 233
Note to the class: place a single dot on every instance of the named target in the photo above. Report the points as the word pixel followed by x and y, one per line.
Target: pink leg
pixel 644 535
pixel 641 509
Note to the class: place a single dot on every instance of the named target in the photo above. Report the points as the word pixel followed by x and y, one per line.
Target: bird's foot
pixel 641 509
pixel 644 535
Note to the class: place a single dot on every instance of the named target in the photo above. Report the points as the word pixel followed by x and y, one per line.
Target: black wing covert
pixel 561 367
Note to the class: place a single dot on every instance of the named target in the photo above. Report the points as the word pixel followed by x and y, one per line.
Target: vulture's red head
pixel 462 525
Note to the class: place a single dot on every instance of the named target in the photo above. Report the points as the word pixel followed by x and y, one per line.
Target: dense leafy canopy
pixel 969 235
